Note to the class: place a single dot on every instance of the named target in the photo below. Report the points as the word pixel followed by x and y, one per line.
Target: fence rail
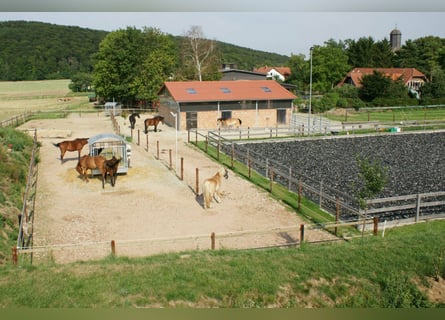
pixel 26 216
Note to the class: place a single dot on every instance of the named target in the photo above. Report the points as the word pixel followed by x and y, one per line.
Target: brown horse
pixel 111 167
pixel 133 119
pixel 87 162
pixel 153 122
pixel 229 122
pixel 211 187
pixel 71 145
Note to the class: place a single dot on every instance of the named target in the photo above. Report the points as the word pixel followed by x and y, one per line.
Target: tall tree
pixel 329 65
pixel 132 64
pixel 200 58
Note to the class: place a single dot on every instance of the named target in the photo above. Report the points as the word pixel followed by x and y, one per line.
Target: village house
pixel 198 104
pixel 411 77
pixel 275 73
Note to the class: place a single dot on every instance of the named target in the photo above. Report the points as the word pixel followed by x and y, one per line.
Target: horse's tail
pixel 56 145
pixel 240 122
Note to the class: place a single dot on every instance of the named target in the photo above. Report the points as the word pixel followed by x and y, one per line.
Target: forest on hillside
pixel 44 51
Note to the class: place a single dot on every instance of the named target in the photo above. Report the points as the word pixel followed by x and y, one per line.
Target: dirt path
pixel 149 202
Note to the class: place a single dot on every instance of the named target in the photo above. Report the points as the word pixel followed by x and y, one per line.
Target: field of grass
pixel 22 96
pixel 366 273
pixel 392 115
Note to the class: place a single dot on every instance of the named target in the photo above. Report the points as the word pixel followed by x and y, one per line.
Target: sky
pixel 283 32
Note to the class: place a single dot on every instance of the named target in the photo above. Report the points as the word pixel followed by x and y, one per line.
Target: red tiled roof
pixel 406 74
pixel 285 71
pixel 197 91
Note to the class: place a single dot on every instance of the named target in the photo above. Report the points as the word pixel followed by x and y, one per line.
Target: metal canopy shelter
pixel 109 145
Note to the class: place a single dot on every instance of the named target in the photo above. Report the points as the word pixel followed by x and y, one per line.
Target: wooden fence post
pixel 170 158
pixel 139 137
pixel 250 168
pixel 113 248
pixel 299 195
pixel 337 214
pixel 197 181
pixel 146 141
pixel 271 180
pixel 188 136
pixel 301 233
pixel 233 154
pixel 376 225
pixel 157 149
pixel 212 239
pixel 14 256
pixel 182 169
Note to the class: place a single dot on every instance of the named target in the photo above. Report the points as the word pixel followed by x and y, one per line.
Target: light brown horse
pixel 153 122
pixel 71 145
pixel 211 187
pixel 229 122
pixel 87 162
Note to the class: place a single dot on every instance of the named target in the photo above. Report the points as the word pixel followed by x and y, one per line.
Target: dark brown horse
pixel 133 119
pixel 153 122
pixel 111 167
pixel 71 145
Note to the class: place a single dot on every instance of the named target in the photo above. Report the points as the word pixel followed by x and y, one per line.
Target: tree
pixel 366 53
pixel 372 179
pixel 425 54
pixel 329 65
pixel 374 85
pixel 200 59
pixel 81 82
pixel 132 64
pixel 299 75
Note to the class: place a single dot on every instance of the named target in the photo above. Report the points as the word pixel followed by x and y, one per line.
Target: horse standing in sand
pixel 153 122
pixel 229 122
pixel 71 145
pixel 211 187
pixel 111 167
pixel 133 119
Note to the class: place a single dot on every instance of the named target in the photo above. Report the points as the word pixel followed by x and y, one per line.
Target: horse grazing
pixel 71 145
pixel 153 122
pixel 229 122
pixel 111 167
pixel 211 187
pixel 133 119
pixel 91 162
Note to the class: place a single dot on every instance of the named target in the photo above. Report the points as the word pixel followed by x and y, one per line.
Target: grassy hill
pixel 49 51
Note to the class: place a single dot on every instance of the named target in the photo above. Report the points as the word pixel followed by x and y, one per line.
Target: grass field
pixel 22 96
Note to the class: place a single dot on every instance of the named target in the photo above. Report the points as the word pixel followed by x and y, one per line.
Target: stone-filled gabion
pixel 415 161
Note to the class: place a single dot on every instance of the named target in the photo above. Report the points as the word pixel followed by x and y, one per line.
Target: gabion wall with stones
pixel 415 161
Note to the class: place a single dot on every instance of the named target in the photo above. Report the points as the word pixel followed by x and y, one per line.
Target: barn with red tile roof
pixel 258 103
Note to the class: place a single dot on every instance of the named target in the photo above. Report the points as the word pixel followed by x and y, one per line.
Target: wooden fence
pixel 26 217
pixel 289 236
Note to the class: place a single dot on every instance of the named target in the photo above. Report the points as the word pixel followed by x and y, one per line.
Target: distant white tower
pixel 395 38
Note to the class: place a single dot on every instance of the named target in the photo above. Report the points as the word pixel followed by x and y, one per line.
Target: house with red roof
pixel 276 73
pixel 411 77
pixel 258 103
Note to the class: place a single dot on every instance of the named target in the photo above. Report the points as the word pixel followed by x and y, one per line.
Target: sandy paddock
pixel 150 210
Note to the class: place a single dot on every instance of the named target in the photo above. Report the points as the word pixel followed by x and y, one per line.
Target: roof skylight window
pixel 191 91
pixel 226 90
pixel 266 89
